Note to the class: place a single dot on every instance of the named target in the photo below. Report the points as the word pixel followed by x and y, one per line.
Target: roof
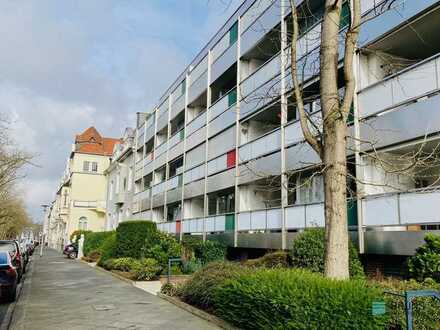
pixel 91 142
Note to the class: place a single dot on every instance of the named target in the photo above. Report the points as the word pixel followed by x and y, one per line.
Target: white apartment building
pixel 120 181
pixel 222 154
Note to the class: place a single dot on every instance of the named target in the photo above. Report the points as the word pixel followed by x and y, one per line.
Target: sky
pixel 69 65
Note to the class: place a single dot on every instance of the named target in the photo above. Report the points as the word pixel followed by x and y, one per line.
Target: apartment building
pixel 80 201
pixel 120 178
pixel 222 155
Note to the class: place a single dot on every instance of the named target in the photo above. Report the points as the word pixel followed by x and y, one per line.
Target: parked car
pixel 30 248
pixel 25 255
pixel 71 251
pixel 14 251
pixel 8 277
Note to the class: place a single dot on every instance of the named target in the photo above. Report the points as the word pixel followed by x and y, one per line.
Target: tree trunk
pixel 335 182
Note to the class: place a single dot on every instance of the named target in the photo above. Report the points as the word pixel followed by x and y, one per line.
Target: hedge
pixel 108 249
pixel 277 259
pixel 94 241
pixel 309 252
pixel 426 311
pixel 134 238
pixel 198 290
pixel 426 261
pixel 296 299
pixel 205 251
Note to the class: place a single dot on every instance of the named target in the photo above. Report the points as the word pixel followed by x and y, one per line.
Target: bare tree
pixel 331 145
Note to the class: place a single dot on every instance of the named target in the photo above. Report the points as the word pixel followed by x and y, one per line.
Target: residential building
pixel 80 201
pixel 120 181
pixel 222 154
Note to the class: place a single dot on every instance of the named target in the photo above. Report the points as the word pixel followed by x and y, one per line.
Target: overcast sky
pixel 68 65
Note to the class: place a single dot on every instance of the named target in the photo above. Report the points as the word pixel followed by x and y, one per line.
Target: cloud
pixel 67 65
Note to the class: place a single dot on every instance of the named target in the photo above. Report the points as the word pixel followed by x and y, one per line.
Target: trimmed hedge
pixel 198 290
pixel 426 262
pixel 133 238
pixel 108 249
pixel 296 299
pixel 206 252
pixel 426 311
pixel 309 252
pixel 278 259
pixel 94 240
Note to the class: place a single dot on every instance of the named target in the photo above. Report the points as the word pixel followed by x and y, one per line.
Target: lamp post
pixel 44 206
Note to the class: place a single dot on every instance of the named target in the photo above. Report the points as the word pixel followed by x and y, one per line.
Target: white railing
pixel 305 216
pixel 263 74
pixel 161 149
pixel 211 224
pixel 193 225
pixel 415 207
pixel 158 188
pixel 173 182
pixel 217 164
pixel 199 70
pixel 254 12
pixel 194 174
pixel 196 123
pixel 167 227
pixel 220 47
pixel 260 220
pixel 263 145
pixel 175 139
pixel 413 82
pixel 220 106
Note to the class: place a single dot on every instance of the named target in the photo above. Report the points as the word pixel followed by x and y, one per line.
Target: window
pixel 86 166
pixel 124 184
pixel 82 223
pixel 94 167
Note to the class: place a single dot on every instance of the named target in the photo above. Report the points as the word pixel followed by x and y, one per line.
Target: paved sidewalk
pixel 60 293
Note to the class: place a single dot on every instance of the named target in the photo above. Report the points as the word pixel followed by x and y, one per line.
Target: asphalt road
pixel 60 293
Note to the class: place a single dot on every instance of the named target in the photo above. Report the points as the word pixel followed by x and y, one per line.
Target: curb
pixel 122 278
pixel 198 312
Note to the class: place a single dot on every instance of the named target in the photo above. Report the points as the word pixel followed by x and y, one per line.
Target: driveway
pixel 65 294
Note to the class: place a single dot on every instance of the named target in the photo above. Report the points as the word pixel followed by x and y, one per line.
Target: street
pixel 60 293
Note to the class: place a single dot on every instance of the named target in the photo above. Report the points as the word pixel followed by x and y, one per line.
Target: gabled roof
pixel 91 142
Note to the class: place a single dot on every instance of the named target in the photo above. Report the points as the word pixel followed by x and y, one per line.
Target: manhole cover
pixel 103 307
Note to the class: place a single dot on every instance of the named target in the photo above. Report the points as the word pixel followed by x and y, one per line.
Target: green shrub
pixel 93 241
pixel 126 264
pixel 166 247
pixel 309 252
pixel 171 289
pixel 198 290
pixel 77 234
pixel 191 266
pixel 146 269
pixel 278 259
pixel 426 262
pixel 132 237
pixel 108 249
pixel 296 299
pixel 106 264
pixel 207 251
pixel 92 256
pixel 426 311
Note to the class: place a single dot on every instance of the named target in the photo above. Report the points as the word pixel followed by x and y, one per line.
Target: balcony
pixel 177 106
pixel 161 149
pixel 196 123
pixel 222 104
pixel 158 188
pixel 267 219
pixel 415 207
pixel 194 174
pixel 176 138
pixel 261 146
pixel 174 182
pixel 407 85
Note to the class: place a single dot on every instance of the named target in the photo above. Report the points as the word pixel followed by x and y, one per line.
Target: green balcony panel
pixel 230 222
pixel 352 212
pixel 182 135
pixel 232 97
pixel 233 34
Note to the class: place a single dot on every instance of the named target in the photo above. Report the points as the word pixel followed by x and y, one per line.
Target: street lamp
pixel 44 206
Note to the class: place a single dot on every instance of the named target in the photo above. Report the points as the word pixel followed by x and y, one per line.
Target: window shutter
pixel 233 34
pixel 232 97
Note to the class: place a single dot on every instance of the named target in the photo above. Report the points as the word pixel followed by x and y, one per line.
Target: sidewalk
pixel 60 293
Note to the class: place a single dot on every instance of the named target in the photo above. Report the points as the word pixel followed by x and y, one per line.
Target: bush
pixel 191 266
pixel 106 264
pixel 170 289
pixel 278 259
pixel 108 249
pixel 198 290
pixel 207 251
pixel 77 234
pixel 426 262
pixel 309 253
pixel 92 256
pixel 166 247
pixel 296 299
pixel 124 264
pixel 426 311
pixel 93 241
pixel 133 237
pixel 146 269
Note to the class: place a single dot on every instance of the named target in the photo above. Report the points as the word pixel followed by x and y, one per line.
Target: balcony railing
pixel 176 138
pixel 409 84
pixel 196 123
pixel 161 149
pixel 260 220
pixel 174 182
pixel 416 207
pixel 158 188
pixel 194 174
pixel 222 104
pixel 263 145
